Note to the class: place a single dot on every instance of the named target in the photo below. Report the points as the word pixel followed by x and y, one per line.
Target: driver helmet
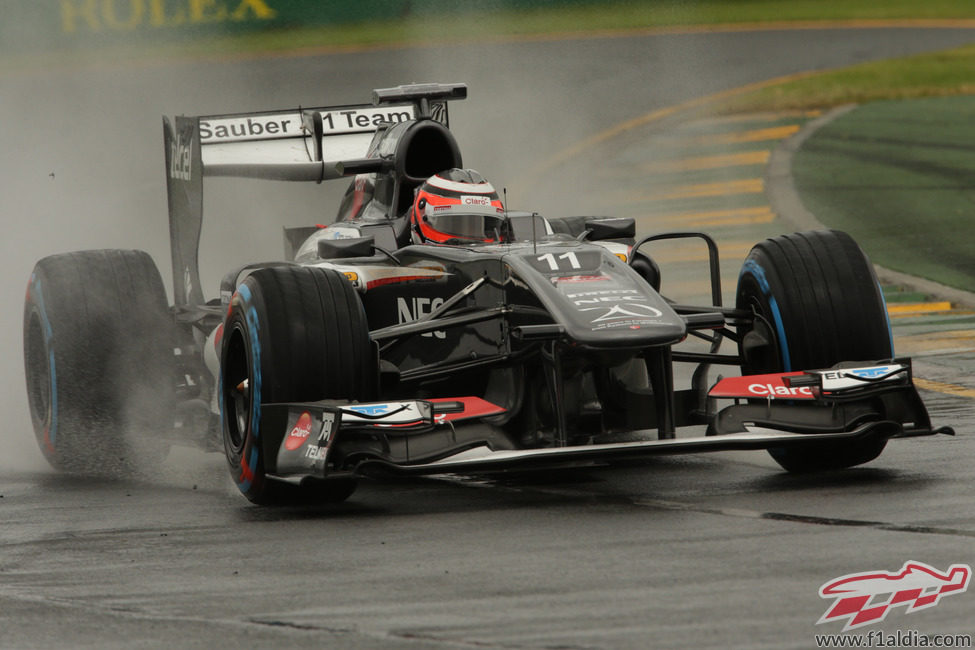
pixel 458 206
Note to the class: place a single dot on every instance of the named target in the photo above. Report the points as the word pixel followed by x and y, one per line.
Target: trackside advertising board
pixel 60 24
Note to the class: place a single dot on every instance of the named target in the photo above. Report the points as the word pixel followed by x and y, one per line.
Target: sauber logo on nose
pixel 866 598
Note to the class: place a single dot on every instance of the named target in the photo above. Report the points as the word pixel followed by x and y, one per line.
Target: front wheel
pixel 816 301
pixel 292 334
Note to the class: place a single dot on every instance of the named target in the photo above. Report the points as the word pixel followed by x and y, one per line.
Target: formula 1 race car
pixel 430 330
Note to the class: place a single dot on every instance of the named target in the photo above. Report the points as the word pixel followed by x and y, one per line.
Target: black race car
pixel 513 341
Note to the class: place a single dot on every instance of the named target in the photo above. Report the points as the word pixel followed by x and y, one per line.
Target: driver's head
pixel 457 206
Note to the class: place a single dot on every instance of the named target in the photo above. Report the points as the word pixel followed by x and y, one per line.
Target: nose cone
pixel 598 299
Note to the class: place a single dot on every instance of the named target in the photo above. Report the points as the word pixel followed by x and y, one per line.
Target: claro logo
pixel 130 15
pixel 771 390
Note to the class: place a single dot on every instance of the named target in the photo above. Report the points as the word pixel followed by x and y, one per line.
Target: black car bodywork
pixel 551 346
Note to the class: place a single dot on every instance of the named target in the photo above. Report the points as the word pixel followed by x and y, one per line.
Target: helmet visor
pixel 468 226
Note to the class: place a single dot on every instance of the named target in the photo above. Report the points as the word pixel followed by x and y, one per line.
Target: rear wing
pixel 312 144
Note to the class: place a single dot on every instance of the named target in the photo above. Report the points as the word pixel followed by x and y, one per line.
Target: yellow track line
pixel 655 116
pixel 754 135
pixel 762 116
pixel 942 387
pixel 707 162
pixel 697 190
pixel 669 252
pixel 916 308
pixel 728 217
pixel 936 342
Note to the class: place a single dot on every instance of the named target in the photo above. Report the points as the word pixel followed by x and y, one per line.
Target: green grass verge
pixel 897 176
pixel 951 72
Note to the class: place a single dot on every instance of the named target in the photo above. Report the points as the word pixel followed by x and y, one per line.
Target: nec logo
pixel 416 308
pixel 866 598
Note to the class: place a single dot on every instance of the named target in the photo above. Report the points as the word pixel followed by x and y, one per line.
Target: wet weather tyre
pixel 99 362
pixel 816 302
pixel 291 334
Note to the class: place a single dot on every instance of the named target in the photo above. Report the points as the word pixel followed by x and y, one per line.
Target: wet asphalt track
pixel 702 551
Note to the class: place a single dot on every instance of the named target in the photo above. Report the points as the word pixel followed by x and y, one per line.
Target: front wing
pixel 457 435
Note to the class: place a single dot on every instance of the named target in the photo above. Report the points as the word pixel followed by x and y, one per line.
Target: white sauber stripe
pixel 846 378
pixel 382 413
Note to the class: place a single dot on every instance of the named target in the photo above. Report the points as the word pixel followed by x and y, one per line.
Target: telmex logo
pixel 866 598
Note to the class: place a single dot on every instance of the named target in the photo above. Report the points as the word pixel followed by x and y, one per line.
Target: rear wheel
pixel 292 334
pixel 816 302
pixel 98 359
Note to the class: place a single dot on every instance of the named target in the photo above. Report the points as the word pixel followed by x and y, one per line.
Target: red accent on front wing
pixel 771 386
pixel 474 407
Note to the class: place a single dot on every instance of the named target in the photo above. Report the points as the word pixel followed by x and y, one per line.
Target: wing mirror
pixel 329 249
pixel 600 228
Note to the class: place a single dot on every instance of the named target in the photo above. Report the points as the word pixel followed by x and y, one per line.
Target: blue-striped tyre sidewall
pixel 244 455
pixel 98 360
pixel 40 368
pixel 296 334
pixel 820 297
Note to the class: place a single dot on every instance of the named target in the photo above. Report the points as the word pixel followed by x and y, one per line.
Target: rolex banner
pixel 61 24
